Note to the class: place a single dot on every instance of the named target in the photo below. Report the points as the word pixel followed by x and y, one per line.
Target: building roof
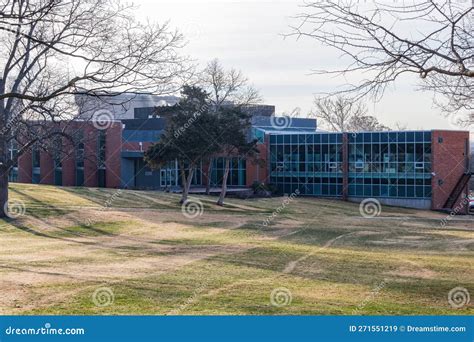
pixel 283 124
pixel 156 124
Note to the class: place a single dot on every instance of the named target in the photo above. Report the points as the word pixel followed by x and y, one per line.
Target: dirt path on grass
pixel 48 258
pixel 49 261
pixel 202 292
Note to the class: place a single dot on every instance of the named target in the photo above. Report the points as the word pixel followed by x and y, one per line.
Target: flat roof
pixel 282 132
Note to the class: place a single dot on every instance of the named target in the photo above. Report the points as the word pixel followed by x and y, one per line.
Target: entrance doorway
pixel 168 178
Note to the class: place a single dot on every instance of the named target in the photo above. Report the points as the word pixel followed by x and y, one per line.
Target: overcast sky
pixel 248 35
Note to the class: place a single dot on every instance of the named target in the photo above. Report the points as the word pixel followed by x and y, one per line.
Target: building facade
pixel 124 106
pixel 418 169
pixel 92 160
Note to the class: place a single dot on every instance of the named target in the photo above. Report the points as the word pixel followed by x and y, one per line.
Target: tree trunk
pixel 3 191
pixel 189 180
pixel 208 179
pixel 220 201
pixel 186 183
pixel 182 170
pixel 4 170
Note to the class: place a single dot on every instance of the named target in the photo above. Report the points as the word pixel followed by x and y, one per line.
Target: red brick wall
pixel 46 168
pixel 449 161
pixel 91 134
pixel 25 167
pixel 91 177
pixel 69 163
pixel 113 151
pixel 259 171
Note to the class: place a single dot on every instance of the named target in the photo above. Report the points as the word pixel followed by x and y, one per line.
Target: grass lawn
pixel 99 251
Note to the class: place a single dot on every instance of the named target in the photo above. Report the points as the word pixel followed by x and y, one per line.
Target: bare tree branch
pixel 341 114
pixel 382 41
pixel 52 50
pixel 227 86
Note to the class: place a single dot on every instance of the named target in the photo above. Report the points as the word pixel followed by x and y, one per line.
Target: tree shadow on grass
pixel 39 209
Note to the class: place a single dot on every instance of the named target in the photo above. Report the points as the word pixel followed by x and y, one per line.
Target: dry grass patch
pixel 157 261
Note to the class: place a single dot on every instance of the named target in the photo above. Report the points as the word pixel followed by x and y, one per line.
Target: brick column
pixel 449 160
pixel 25 167
pixel 259 171
pixel 69 163
pixel 113 155
pixel 91 175
pixel 47 168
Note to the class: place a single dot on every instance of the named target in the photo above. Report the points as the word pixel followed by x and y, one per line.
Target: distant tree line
pixel 343 114
pixel 384 41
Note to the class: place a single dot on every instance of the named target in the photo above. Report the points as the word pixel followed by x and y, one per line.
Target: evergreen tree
pixel 234 141
pixel 189 137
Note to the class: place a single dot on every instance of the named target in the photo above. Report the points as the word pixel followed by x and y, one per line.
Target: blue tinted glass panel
pixel 427 136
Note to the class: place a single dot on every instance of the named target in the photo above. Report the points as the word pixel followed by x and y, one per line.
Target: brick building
pixel 92 161
pixel 419 169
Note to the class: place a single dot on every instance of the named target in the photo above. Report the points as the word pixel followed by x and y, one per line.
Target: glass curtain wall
pixel 390 164
pixel 381 164
pixel 309 163
pixel 237 173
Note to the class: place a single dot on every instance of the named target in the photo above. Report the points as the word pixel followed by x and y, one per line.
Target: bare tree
pixel 337 113
pixel 53 50
pixel 384 40
pixel 341 114
pixel 226 87
pixel 367 123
